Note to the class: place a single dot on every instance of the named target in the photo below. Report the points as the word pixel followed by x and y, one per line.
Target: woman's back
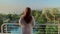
pixel 26 28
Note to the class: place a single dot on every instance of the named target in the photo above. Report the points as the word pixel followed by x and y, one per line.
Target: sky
pixel 17 6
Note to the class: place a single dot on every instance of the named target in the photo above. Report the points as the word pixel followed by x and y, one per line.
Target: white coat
pixel 27 28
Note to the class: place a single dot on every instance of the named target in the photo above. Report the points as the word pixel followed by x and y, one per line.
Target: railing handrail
pixel 6 27
pixel 18 24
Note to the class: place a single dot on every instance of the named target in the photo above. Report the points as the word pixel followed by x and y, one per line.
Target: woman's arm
pixel 20 22
pixel 33 22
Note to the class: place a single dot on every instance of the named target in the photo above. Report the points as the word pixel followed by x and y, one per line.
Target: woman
pixel 27 21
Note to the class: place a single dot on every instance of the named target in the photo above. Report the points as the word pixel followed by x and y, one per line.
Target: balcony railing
pixel 39 28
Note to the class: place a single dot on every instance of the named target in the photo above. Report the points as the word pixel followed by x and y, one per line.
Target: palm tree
pixel 50 14
pixel 53 12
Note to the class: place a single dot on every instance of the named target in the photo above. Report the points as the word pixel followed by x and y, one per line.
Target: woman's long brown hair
pixel 27 15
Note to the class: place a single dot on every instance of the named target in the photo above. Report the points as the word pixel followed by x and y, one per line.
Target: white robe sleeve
pixel 33 22
pixel 20 22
